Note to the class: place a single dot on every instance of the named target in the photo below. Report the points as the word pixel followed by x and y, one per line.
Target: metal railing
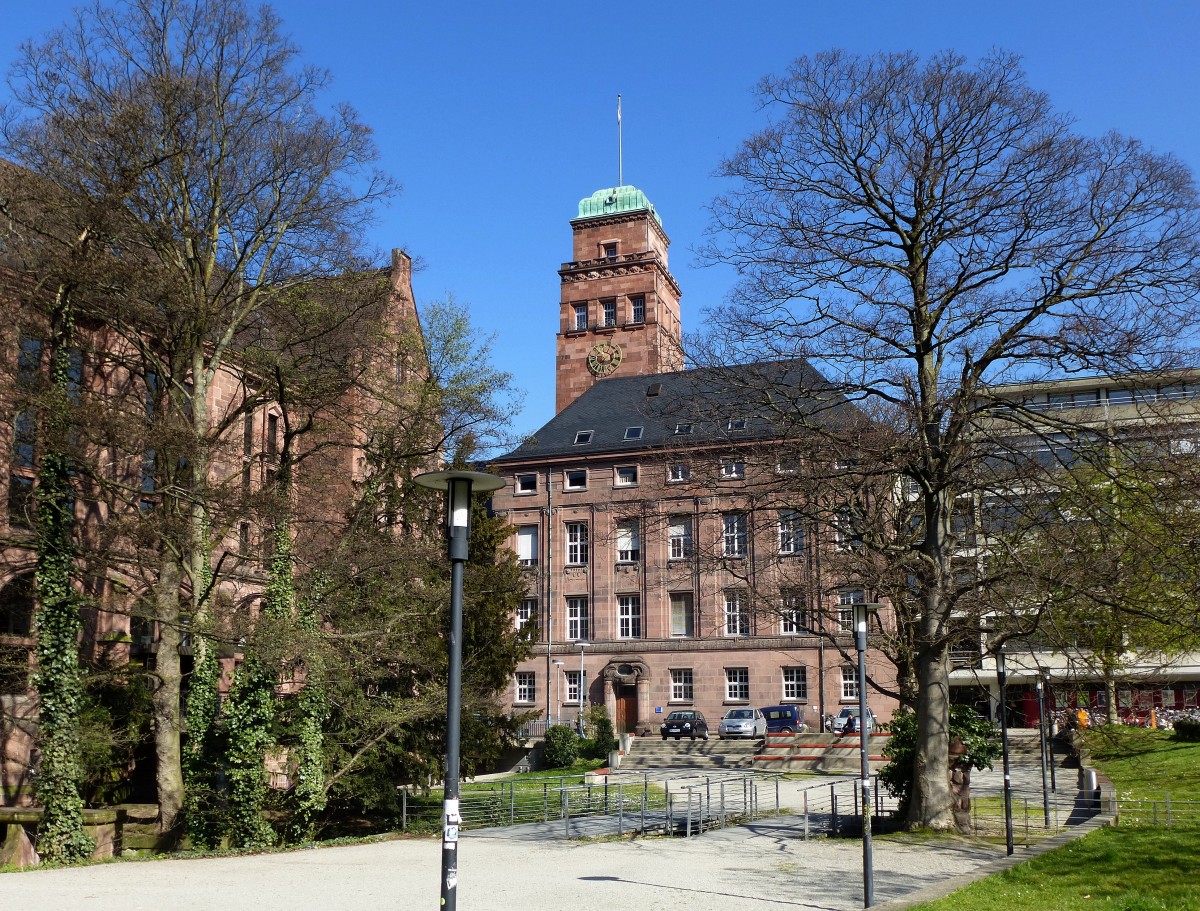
pixel 1159 812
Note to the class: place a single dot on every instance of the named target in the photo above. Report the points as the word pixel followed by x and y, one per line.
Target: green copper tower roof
pixel 614 201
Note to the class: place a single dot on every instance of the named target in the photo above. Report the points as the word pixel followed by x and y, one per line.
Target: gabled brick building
pixel 665 567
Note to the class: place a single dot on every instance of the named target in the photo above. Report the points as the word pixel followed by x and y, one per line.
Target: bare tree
pixel 920 231
pixel 191 127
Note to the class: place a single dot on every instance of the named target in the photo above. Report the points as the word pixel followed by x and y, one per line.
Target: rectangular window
pixel 678 472
pixel 244 538
pixel 527 483
pixel 737 614
pixel 272 435
pixel 610 312
pixel 527 545
pixel 575 480
pixel 526 612
pixel 682 615
pixel 849 682
pixel 795 684
pixel 629 548
pixel 627 476
pixel 732 469
pixel 526 687
pixel 682 429
pixel 734 534
pixel 737 684
pixel 679 537
pixel 577 618
pixel 736 424
pixel 74 374
pixel 610 251
pixel 847 533
pixel 29 361
pixel 248 436
pixel 580 315
pixel 1167 698
pixel 20 500
pixel 847 598
pixel 572 689
pixel 637 309
pixel 24 437
pixel 633 433
pixel 583 437
pixel 791 532
pixel 577 544
pixel 681 684
pixel 794 614
pixel 629 616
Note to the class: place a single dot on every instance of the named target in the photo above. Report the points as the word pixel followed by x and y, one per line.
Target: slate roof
pixel 768 398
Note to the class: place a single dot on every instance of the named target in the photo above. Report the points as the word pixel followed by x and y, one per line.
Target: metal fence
pixel 1159 812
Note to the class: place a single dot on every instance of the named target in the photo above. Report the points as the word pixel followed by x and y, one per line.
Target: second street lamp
pixel 458 485
pixel 862 615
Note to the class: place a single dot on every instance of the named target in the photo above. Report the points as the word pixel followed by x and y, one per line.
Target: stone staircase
pixel 827 753
pixel 647 753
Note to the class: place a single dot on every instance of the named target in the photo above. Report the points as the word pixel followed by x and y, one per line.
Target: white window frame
pixel 571 686
pixel 683 615
pixel 737 684
pixel 795 683
pixel 608 307
pixel 679 537
pixel 580 318
pixel 526 688
pixel 734 537
pixel 794 618
pixel 733 469
pixel 625 476
pixel 527 483
pixel 791 532
pixel 637 308
pixel 849 683
pixel 679 472
pixel 847 598
pixel 578 619
pixel 737 613
pixel 527 612
pixel 578 544
pixel 629 543
pixel 682 684
pixel 527 545
pixel 629 616
pixel 572 476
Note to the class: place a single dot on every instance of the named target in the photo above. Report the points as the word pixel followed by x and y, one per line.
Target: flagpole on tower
pixel 620 148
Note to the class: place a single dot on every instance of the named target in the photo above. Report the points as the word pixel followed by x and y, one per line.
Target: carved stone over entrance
pixel 626 685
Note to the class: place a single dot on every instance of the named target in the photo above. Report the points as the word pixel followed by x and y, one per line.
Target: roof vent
pixel 653 389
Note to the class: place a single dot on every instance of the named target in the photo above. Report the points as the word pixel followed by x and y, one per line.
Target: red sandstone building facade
pixel 665 568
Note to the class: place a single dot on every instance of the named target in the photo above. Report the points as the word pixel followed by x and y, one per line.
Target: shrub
pixel 602 741
pixel 1187 730
pixel 977 734
pixel 561 747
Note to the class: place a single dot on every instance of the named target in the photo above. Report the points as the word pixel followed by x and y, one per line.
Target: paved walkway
pixel 747 868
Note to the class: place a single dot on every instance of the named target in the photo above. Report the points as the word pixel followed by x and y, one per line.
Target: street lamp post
pixel 582 645
pixel 458 486
pixel 557 690
pixel 1002 680
pixel 862 614
pixel 1043 743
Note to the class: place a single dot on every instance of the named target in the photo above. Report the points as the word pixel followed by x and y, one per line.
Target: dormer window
pixel 633 433
pixel 582 437
pixel 736 424
pixel 681 429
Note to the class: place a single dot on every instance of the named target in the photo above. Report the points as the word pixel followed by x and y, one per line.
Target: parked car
pixel 784 719
pixel 846 721
pixel 688 723
pixel 742 723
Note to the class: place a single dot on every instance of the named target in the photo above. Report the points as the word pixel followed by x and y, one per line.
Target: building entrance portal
pixel 627 708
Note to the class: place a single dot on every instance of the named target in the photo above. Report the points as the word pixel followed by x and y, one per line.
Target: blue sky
pixel 498 118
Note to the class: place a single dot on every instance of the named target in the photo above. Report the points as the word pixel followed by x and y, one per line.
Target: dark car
pixel 784 719
pixel 688 723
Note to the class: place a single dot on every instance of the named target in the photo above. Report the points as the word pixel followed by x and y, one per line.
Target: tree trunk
pixel 165 699
pixel 933 801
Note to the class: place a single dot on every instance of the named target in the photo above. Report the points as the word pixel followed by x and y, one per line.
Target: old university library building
pixel 666 567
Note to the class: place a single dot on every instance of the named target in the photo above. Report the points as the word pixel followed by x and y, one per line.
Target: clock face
pixel 604 358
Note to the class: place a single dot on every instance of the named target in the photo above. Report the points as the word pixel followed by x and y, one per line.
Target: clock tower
pixel 619 308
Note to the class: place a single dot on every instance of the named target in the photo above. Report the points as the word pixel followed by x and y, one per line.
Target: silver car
pixel 846 721
pixel 742 723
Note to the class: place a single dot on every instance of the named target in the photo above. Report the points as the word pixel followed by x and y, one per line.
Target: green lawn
pixel 1128 868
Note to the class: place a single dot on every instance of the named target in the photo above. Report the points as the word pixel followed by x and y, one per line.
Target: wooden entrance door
pixel 627 714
